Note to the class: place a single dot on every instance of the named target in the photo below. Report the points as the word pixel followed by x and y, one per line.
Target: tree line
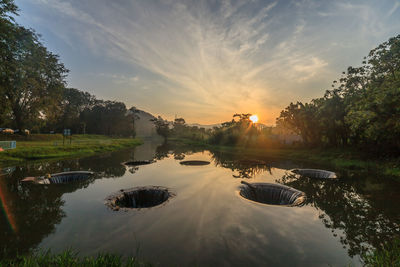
pixel 33 92
pixel 361 110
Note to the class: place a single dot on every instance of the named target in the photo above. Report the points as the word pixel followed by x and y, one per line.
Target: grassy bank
pixel 53 146
pixel 71 259
pixel 338 158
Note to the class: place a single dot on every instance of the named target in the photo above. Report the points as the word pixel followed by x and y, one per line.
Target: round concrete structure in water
pixel 139 197
pixel 315 173
pixel 137 162
pixel 272 194
pixel 194 162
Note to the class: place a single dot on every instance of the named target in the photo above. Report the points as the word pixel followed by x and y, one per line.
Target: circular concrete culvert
pixel 272 194
pixel 139 197
pixel 315 173
pixel 194 162
pixel 137 162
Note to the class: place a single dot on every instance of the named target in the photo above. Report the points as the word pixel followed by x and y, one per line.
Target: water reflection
pixel 242 168
pixel 359 211
pixel 178 152
pixel 30 212
pixel 358 208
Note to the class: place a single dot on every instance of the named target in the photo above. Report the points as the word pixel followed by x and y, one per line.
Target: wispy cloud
pixel 210 59
pixel 396 5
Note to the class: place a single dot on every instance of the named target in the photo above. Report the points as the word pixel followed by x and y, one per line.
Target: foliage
pixel 70 258
pixel 72 104
pixel 108 118
pixel 388 255
pixel 33 92
pixel 361 110
pixel 31 77
pixel 240 131
pixel 162 127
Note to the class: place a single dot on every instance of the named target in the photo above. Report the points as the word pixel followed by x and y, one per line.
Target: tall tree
pixel 73 103
pixel 31 77
pixel 109 118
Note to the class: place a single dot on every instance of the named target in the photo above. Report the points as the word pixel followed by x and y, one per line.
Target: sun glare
pixel 254 118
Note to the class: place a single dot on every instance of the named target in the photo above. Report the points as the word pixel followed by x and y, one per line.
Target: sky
pixel 206 60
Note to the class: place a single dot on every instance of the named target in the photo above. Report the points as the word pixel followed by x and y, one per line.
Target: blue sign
pixel 67 132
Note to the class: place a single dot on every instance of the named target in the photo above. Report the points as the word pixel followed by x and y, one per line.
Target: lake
pixel 207 222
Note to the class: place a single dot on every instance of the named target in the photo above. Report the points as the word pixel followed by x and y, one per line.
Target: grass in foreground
pixel 387 256
pixel 80 145
pixel 70 258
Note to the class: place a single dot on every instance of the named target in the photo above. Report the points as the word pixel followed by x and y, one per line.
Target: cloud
pixel 396 5
pixel 217 58
pixel 310 68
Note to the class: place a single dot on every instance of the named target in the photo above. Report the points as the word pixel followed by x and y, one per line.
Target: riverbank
pixel 337 158
pixel 53 146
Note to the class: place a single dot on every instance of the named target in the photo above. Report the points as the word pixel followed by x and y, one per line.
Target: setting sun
pixel 254 118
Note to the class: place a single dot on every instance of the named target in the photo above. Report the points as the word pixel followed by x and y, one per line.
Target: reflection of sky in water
pixel 207 223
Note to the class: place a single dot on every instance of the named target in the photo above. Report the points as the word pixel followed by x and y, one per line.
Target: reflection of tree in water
pixel 31 211
pixel 108 165
pixel 362 208
pixel 245 168
pixel 178 152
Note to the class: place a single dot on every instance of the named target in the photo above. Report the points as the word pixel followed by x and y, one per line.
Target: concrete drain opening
pixel 194 162
pixel 315 173
pixel 272 194
pixel 139 197
pixel 60 178
pixel 137 162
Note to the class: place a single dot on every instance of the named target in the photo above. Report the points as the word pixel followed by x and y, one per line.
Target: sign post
pixel 67 132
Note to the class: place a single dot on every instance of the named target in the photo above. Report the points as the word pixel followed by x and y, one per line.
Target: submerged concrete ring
pixel 139 197
pixel 272 194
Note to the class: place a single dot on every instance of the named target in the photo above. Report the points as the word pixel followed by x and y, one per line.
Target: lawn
pixel 53 146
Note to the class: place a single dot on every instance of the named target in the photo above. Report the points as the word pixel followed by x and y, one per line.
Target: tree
pixel 374 115
pixel 108 118
pixel 72 104
pixel 7 7
pixel 31 78
pixel 302 119
pixel 134 114
pixel 162 127
pixel 362 109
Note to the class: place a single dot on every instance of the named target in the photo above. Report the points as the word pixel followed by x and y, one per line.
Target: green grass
pixel 70 258
pixel 387 256
pixel 80 145
pixel 337 158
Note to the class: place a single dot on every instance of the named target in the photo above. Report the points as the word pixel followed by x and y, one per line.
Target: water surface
pixel 207 222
